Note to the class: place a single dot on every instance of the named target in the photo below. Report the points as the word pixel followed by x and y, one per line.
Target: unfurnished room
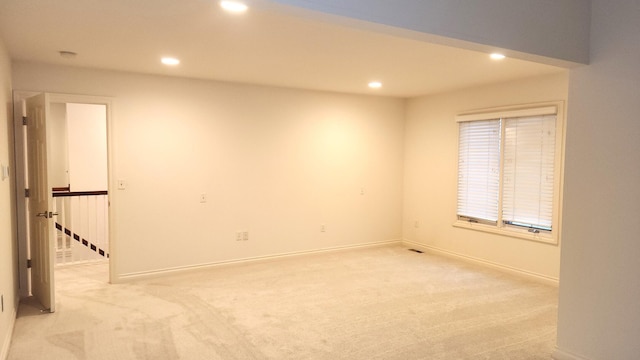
pixel 319 179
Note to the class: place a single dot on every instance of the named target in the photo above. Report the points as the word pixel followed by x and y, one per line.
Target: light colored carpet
pixel 374 303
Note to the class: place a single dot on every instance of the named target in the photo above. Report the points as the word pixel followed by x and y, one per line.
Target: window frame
pixel 500 228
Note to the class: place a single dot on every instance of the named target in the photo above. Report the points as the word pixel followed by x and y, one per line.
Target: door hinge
pixel 26 193
pixel 28 263
pixel 24 120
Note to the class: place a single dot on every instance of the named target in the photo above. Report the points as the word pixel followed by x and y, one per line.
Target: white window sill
pixel 543 237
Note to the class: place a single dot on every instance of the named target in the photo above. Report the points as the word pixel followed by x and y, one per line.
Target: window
pixel 508 171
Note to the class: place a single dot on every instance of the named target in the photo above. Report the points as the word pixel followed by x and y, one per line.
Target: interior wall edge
pixel 142 275
pixel 540 278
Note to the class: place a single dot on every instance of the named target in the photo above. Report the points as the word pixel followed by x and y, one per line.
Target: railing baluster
pixel 68 255
pixel 61 235
pixel 75 224
pixel 58 240
pixel 67 223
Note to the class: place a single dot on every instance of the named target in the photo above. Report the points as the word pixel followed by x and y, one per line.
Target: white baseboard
pixel 563 355
pixel 511 270
pixel 127 277
pixel 6 342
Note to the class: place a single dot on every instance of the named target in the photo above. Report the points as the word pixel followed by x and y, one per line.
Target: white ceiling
pixel 262 46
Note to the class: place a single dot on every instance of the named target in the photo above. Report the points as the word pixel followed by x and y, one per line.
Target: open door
pixel 41 223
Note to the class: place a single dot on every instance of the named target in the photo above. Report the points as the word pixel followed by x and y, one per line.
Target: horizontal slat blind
pixel 529 152
pixel 479 170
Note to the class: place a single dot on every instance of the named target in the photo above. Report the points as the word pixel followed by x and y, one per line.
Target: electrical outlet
pixel 245 236
pixel 323 228
pixel 238 235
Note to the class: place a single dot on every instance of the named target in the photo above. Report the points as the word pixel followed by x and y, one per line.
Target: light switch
pixel 122 184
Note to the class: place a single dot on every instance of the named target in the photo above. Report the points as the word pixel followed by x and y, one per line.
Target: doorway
pixel 78 178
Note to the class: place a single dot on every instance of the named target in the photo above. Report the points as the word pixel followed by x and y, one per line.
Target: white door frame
pixel 20 162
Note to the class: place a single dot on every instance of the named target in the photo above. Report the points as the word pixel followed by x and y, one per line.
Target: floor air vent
pixel 416 250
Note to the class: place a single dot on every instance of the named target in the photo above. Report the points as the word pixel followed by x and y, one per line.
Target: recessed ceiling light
pixel 497 56
pixel 170 61
pixel 375 84
pixel 234 6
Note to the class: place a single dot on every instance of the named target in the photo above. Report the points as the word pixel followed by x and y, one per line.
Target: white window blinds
pixel 506 168
pixel 528 171
pixel 479 170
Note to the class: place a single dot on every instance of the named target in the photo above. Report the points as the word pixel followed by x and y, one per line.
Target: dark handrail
pixel 80 193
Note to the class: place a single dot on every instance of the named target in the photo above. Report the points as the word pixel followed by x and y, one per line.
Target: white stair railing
pixel 82 226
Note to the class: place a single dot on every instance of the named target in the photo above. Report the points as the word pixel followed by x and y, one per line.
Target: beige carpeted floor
pixel 373 303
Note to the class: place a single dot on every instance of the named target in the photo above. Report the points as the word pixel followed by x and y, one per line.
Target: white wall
pixel 555 32
pixel 8 269
pixel 275 162
pixel 87 139
pixel 57 123
pixel 79 146
pixel 430 182
pixel 599 311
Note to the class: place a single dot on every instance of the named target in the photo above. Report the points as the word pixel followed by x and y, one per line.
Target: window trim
pixel 544 108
